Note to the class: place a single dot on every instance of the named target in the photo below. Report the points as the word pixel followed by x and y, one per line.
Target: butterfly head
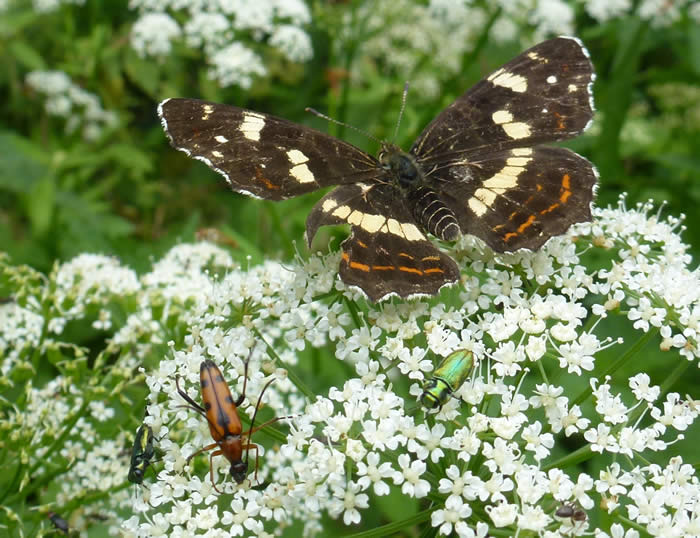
pixel 401 166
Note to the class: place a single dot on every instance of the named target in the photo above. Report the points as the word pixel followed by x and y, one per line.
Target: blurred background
pixel 85 165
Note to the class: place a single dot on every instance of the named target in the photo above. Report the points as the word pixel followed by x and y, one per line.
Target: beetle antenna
pixel 403 107
pixel 337 122
pixel 257 408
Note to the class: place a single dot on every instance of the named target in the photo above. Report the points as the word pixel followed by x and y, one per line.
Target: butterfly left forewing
pixel 262 155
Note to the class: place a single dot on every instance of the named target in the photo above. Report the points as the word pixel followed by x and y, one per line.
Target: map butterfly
pixel 478 168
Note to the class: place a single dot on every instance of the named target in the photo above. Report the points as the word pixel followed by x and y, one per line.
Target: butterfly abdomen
pixel 433 215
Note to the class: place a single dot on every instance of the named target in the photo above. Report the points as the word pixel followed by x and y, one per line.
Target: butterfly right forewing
pixel 542 95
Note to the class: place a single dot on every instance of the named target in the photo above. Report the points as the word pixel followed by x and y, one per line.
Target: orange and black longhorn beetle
pixel 221 412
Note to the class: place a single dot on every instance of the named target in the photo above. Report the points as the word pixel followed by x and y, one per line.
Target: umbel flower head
pixel 502 456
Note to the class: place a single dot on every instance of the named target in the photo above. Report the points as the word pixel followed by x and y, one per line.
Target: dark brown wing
pixel 261 155
pixel 543 95
pixel 386 252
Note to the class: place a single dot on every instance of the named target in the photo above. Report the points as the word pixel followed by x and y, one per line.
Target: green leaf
pixel 27 56
pixel 21 164
pixel 40 203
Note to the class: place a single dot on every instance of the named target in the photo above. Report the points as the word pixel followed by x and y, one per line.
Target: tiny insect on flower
pixel 60 523
pixel 221 412
pixel 572 512
pixel 449 376
pixel 141 454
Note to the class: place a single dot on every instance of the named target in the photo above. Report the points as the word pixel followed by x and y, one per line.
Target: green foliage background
pixel 131 195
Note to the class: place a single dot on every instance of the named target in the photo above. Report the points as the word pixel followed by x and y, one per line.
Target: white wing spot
pixel 411 232
pixel 217 154
pixel 328 205
pixel 572 88
pixel 252 125
pixel 517 161
pixel 499 184
pixel 551 79
pixel 477 207
pixel 502 116
pixel 296 157
pixel 221 139
pixel 372 223
pixel 485 196
pixel 394 227
pixel 521 152
pixel 517 130
pixel 503 78
pixel 342 212
pixel 355 218
pixel 302 174
pixel 207 109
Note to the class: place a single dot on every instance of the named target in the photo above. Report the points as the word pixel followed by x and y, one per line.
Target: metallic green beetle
pixel 141 454
pixel 448 377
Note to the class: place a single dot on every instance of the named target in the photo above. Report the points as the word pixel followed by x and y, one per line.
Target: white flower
pixel 604 10
pixel 455 511
pixel 348 501
pixel 502 514
pixel 153 33
pixel 371 473
pixel 410 477
pixel 237 65
pixel 537 442
pixel 294 43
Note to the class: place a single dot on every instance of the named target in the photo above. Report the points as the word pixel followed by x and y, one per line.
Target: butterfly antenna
pixel 403 106
pixel 337 122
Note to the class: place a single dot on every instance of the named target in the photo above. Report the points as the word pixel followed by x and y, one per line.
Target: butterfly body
pixel 479 168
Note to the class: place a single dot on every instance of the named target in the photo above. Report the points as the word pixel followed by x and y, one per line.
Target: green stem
pixel 469 59
pixel 582 454
pixel 392 529
pixel 639 344
pixel 618 97
pixel 293 377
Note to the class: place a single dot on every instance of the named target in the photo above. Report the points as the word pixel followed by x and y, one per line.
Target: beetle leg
pixel 248 447
pixel 211 468
pixel 204 449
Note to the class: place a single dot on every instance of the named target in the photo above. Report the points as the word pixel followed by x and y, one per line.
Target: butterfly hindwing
pixel 386 252
pixel 262 155
pixel 519 198
pixel 383 264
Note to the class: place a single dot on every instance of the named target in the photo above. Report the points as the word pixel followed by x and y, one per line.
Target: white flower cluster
pixel 21 332
pixel 233 36
pixel 44 6
pixel 490 459
pixel 361 439
pixel 81 110
pixel 402 34
pixel 659 12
